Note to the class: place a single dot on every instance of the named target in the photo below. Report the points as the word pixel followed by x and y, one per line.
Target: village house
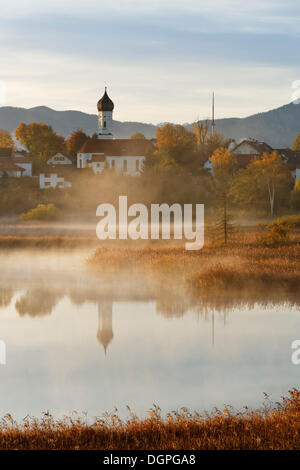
pixel 14 164
pixel 249 149
pixel 125 156
pixel 56 173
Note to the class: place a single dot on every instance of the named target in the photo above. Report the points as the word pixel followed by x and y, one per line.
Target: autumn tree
pixel 295 196
pixel 76 141
pixel 201 131
pixel 40 140
pixel 138 135
pixel 296 143
pixel 266 179
pixel 6 140
pixel 208 142
pixel 223 165
pixel 176 147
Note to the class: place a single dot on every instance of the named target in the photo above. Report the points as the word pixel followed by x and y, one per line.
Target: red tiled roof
pixel 98 158
pixel 20 160
pixel 15 160
pixel 10 166
pixel 117 147
pixel 290 157
pixel 244 160
pixel 5 152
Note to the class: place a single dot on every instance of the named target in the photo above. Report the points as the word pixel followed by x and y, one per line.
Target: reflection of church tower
pixel 105 332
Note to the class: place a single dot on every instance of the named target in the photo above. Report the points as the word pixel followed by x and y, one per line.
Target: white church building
pixel 125 156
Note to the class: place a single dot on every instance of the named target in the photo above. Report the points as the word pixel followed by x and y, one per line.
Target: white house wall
pixel 245 149
pixel 53 181
pixel 131 164
pixel 27 167
pixel 59 159
pixel 84 159
pixel 296 174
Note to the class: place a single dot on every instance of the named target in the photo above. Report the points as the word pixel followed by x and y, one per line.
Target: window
pixel 137 165
pixel 104 124
pixel 125 165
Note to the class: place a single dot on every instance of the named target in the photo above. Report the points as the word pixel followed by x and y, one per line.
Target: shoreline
pixel 271 427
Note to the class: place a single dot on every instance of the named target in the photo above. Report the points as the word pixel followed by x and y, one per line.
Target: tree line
pixel 174 169
pixel 42 142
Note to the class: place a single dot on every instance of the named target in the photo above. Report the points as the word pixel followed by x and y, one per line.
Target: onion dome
pixel 105 104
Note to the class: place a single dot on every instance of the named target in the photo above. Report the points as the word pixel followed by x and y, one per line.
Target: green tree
pixel 76 141
pixel 6 140
pixel 40 140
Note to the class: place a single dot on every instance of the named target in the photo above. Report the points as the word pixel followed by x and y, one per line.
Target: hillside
pixel 277 127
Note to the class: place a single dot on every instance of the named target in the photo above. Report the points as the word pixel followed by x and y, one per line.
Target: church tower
pixel 105 111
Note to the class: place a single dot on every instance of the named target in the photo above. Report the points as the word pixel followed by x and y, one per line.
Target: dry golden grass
pixel 215 265
pixel 217 276
pixel 271 427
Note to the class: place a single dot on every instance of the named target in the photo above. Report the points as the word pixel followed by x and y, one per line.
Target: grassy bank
pixel 216 277
pixel 271 427
pixel 236 265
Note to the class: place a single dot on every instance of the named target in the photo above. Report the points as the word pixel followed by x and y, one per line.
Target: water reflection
pixel 38 298
pixel 105 332
pixel 86 342
pixel 38 301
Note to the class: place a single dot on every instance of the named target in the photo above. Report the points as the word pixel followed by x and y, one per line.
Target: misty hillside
pixel 277 127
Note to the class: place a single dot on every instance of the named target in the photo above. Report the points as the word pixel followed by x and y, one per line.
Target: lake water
pixel 80 342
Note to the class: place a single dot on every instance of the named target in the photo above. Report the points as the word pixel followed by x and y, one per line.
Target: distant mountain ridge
pixel 278 127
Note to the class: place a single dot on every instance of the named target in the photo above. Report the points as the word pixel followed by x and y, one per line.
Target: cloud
pixel 150 92
pixel 161 59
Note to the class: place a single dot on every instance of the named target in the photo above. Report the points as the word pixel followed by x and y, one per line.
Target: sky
pixel 161 60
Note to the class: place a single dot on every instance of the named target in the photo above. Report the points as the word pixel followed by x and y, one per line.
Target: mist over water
pixel 82 341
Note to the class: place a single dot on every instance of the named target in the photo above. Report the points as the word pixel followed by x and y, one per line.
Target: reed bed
pixel 216 277
pixel 272 427
pixel 214 265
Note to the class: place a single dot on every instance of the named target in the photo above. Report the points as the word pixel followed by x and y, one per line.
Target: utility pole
pixel 213 114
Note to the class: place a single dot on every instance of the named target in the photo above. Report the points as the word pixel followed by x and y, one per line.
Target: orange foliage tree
pixel 75 141
pixel 40 140
pixel 6 139
pixel 266 179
